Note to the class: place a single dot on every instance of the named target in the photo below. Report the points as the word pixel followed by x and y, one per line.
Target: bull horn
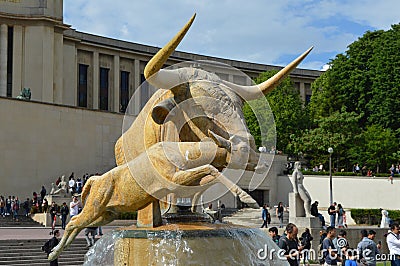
pixel 253 92
pixel 158 60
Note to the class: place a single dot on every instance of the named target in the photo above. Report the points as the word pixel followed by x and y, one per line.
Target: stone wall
pixel 350 191
pixel 40 142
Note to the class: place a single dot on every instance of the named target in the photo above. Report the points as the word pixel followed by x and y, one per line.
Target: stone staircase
pixel 252 218
pixel 29 252
pixel 21 221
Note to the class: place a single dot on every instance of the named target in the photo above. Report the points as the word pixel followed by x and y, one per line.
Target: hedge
pixel 308 172
pixel 372 216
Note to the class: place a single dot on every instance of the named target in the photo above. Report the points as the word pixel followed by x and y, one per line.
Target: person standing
pixel 332 214
pixel 393 242
pixel 264 215
pixel 8 205
pixel 273 233
pixel 391 176
pixel 26 207
pixel 367 249
pixel 53 215
pixel 306 239
pixel 290 245
pixel 279 213
pixel 2 205
pixel 344 245
pixel 64 213
pixel 330 253
pixel 43 193
pixel 340 213
pixel 50 244
pixel 15 208
pixel 71 184
pixel 90 240
pixel 74 207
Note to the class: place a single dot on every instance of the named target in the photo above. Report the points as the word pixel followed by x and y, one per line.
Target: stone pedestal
pixel 305 222
pixel 296 206
pixel 59 199
pixel 297 214
pixel 150 216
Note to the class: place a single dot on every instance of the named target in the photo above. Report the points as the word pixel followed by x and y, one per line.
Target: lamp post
pixel 330 150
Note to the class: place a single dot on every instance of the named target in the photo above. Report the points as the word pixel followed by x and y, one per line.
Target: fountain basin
pixel 185 244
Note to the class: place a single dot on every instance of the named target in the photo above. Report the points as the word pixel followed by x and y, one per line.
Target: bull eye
pixel 245 149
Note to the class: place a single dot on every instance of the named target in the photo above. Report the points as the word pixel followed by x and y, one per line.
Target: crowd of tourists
pixel 9 206
pixel 334 247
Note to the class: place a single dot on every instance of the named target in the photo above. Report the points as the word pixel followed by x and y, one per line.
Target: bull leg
pixel 194 200
pixel 101 192
pixel 104 219
pixel 204 174
pixel 236 190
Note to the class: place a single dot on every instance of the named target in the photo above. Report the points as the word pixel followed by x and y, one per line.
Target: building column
pixel 96 81
pixel 3 59
pixel 17 61
pixel 116 84
pixel 136 85
pixel 302 92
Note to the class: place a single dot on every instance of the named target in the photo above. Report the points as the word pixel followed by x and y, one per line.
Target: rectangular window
pixel 9 60
pixel 104 88
pixel 82 85
pixel 124 91
pixel 308 98
pixel 144 91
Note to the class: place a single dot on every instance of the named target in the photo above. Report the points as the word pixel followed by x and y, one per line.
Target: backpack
pixel 46 247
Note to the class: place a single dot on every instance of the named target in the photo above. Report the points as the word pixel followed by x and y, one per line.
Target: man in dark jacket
pixel 43 192
pixel 314 212
pixel 50 244
pixel 64 214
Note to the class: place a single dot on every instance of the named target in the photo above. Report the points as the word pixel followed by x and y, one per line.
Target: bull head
pixel 240 143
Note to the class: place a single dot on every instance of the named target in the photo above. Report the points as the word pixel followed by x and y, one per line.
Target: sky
pixel 258 31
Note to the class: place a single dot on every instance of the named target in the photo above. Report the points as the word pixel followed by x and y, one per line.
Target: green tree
pixel 337 131
pixel 289 114
pixel 377 148
pixel 365 79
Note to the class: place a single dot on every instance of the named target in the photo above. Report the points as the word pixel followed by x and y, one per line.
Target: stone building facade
pixel 81 85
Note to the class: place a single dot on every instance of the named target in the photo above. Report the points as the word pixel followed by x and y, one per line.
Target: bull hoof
pixel 52 256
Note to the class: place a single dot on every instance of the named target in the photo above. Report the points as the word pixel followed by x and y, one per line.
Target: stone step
pixel 44 261
pixel 42 256
pixel 5 255
pixel 252 218
pixel 28 252
pixel 22 221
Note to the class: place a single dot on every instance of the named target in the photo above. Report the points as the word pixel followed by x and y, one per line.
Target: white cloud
pixel 258 31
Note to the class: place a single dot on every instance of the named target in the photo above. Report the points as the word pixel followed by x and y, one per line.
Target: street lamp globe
pixel 330 150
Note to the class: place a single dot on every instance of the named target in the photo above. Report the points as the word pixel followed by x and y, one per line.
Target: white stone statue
pixel 62 187
pixel 53 189
pixel 385 219
pixel 298 188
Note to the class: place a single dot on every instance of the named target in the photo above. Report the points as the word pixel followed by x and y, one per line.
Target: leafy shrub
pixel 372 216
